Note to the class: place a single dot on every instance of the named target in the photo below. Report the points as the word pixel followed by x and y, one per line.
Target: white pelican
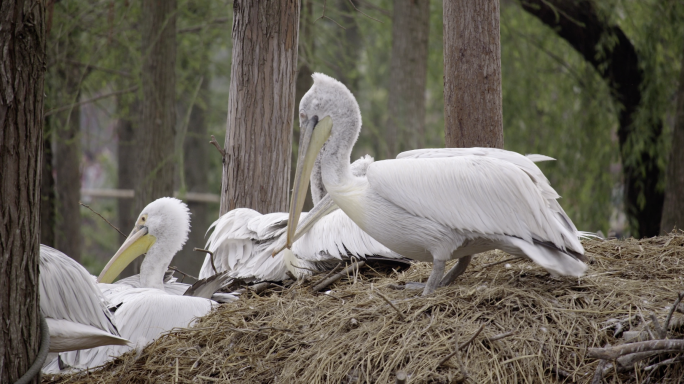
pixel 431 209
pixel 73 306
pixel 143 314
pixel 243 239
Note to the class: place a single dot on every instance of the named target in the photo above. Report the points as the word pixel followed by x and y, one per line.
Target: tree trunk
pixel 256 170
pixel 156 139
pixel 22 43
pixel 673 208
pixel 408 76
pixel 47 189
pixel 197 149
pixel 304 82
pixel 472 74
pixel 581 26
pixel 126 173
pixel 67 170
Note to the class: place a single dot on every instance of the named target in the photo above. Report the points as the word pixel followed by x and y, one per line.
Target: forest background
pixel 555 103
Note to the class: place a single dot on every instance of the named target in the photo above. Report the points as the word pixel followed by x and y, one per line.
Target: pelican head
pixel 160 231
pixel 328 100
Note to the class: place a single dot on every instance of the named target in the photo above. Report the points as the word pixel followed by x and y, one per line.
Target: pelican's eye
pixel 142 219
pixel 302 116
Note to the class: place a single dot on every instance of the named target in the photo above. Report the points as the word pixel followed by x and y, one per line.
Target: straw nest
pixel 504 320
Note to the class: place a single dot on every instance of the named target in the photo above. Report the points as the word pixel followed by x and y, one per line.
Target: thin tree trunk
pixel 47 189
pixel 304 81
pixel 197 149
pixel 68 176
pixel 158 108
pixel 256 171
pixel 673 208
pixel 408 76
pixel 22 43
pixel 472 74
pixel 126 173
pixel 579 23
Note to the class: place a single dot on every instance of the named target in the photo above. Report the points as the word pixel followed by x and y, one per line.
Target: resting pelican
pixel 73 306
pixel 143 314
pixel 431 209
pixel 243 239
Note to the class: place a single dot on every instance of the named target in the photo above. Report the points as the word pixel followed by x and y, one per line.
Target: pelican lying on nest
pixel 432 209
pixel 143 314
pixel 243 240
pixel 73 306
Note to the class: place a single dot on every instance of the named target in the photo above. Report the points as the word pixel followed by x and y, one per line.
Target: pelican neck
pixel 153 268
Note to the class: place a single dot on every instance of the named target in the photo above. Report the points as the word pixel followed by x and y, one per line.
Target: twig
pixel 91 100
pixel 260 287
pixel 337 267
pixel 350 268
pixel 323 16
pixel 91 66
pixel 598 374
pixel 472 337
pixel 675 306
pixel 220 20
pixel 210 254
pixel 613 353
pixel 661 332
pixel 110 224
pixel 401 378
pixel 665 362
pixel 403 318
pixel 361 12
pixel 501 336
pixel 462 346
pixel 218 147
pixel 515 258
pixel 182 273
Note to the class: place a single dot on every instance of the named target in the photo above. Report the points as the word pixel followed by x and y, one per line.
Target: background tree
pixel 22 41
pixel 408 76
pixel 156 138
pixel 256 171
pixel 673 207
pixel 472 74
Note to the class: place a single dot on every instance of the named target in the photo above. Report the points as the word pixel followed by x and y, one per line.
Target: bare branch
pixel 182 273
pixel 391 305
pixel 613 353
pixel 361 12
pixel 501 336
pixel 219 20
pixel 350 269
pixel 323 16
pixel 110 224
pixel 674 307
pixel 218 147
pixel 211 258
pixel 91 66
pixel 462 346
pixel 96 98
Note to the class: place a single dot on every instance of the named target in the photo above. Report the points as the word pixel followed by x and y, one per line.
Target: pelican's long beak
pixel 323 208
pixel 137 243
pixel 315 135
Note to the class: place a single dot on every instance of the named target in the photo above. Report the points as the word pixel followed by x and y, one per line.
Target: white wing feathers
pixel 479 194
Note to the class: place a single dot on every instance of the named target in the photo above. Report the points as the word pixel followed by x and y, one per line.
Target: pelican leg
pixel 456 271
pixel 435 276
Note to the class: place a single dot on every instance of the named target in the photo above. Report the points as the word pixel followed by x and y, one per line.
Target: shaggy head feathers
pixel 168 219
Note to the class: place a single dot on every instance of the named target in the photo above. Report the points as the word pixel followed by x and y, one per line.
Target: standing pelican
pixel 243 239
pixel 431 209
pixel 73 306
pixel 143 314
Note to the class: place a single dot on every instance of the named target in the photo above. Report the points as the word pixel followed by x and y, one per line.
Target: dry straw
pixel 533 328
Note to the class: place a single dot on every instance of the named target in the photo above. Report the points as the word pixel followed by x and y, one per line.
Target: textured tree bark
pixel 408 76
pixel 22 66
pixel 156 138
pixel 67 170
pixel 673 207
pixel 472 74
pixel 256 170
pixel 578 23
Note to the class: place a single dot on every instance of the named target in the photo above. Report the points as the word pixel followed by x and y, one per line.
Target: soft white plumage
pixel 436 208
pixel 243 240
pixel 143 314
pixel 74 308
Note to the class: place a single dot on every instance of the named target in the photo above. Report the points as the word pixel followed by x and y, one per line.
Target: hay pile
pixel 544 326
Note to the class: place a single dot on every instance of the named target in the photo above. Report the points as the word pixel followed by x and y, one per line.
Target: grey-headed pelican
pixel 431 209
pixel 243 240
pixel 143 314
